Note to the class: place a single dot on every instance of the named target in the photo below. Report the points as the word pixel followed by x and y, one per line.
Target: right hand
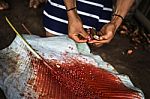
pixel 75 28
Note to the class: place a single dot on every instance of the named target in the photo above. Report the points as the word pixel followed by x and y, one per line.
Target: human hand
pixel 75 28
pixel 3 5
pixel 36 3
pixel 107 32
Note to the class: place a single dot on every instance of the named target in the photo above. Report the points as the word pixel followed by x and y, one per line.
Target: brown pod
pixel 94 34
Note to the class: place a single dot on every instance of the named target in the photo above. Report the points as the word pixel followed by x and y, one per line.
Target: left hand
pixel 108 32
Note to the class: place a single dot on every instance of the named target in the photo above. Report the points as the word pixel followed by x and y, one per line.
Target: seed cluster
pixel 75 79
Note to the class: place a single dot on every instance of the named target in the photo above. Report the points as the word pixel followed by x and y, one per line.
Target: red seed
pixel 77 80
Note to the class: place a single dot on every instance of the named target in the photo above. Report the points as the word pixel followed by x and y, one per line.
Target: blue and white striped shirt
pixel 93 13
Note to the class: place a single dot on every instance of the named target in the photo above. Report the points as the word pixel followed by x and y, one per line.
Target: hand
pixel 75 28
pixel 107 32
pixel 3 5
pixel 36 3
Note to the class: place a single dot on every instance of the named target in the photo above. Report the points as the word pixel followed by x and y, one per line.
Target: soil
pixel 135 65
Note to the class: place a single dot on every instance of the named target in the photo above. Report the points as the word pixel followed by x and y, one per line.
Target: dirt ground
pixel 135 65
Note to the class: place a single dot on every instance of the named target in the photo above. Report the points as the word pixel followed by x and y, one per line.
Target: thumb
pixel 103 37
pixel 107 35
pixel 84 34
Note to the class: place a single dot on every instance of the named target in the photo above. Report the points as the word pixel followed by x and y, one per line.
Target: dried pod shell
pixel 96 37
pixel 93 34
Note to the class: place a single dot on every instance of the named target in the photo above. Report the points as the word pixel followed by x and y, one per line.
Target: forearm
pixel 121 8
pixel 71 4
pixel 75 26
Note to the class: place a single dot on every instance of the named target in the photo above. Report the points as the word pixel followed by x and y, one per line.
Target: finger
pixel 107 35
pixel 30 3
pixel 4 6
pixel 99 41
pixel 93 41
pixel 76 38
pixel 104 37
pixel 84 34
pixel 33 4
pixel 1 7
pixel 98 44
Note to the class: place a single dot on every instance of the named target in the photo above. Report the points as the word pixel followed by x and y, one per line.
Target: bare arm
pixel 121 8
pixel 75 26
pixel 108 30
pixel 70 3
pixel 72 14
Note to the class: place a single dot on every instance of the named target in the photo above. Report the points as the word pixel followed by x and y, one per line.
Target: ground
pixel 135 65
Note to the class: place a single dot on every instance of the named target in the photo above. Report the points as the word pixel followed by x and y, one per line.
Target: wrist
pixel 117 20
pixel 73 8
pixel 72 14
pixel 117 15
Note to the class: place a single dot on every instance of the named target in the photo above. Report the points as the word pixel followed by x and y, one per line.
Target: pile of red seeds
pixel 76 79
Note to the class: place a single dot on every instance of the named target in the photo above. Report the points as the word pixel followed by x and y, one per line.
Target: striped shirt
pixel 93 13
